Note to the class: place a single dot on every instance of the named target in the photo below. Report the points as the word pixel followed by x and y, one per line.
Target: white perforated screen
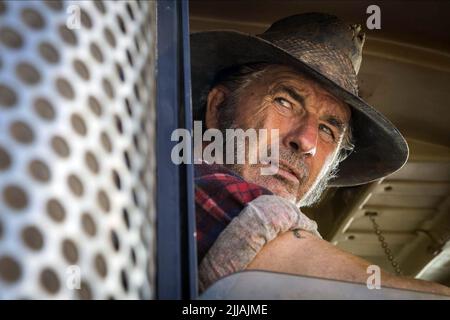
pixel 76 149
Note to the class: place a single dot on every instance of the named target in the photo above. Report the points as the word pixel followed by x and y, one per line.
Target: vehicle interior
pixel 405 74
pixel 92 205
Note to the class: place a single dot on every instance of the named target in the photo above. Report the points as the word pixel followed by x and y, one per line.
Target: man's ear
pixel 215 100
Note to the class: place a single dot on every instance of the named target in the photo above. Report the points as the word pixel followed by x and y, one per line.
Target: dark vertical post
pixel 190 227
pixel 176 247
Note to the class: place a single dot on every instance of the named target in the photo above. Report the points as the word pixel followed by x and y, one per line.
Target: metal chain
pixel 384 244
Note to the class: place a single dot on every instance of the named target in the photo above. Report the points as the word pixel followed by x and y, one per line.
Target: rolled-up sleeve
pixel 261 221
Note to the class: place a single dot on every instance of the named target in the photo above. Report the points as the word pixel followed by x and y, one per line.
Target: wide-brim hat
pixel 326 50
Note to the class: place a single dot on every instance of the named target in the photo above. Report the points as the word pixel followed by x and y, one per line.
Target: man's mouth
pixel 289 172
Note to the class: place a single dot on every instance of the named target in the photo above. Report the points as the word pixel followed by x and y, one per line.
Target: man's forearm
pixel 261 221
pixel 311 256
pixel 414 284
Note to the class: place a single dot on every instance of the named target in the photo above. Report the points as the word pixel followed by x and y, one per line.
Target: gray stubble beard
pixel 315 192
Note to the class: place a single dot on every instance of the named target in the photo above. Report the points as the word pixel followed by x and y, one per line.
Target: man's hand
pixel 301 253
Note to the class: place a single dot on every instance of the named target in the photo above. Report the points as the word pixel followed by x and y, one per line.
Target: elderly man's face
pixel 311 124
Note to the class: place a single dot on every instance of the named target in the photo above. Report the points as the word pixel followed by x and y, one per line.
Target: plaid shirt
pixel 220 195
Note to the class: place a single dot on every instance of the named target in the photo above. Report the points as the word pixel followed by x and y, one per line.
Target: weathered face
pixel 311 124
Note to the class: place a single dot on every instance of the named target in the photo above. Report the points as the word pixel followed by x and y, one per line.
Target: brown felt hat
pixel 327 50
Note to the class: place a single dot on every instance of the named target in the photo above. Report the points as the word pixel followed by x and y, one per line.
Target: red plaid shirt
pixel 220 195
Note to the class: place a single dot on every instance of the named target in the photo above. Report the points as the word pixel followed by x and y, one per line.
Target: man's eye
pixel 327 130
pixel 283 103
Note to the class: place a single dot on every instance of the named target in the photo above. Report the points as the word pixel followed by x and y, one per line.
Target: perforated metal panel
pixel 76 149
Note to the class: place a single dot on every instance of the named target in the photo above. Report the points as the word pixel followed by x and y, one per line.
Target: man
pixel 298 77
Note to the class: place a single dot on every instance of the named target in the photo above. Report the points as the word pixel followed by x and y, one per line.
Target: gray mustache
pixel 294 160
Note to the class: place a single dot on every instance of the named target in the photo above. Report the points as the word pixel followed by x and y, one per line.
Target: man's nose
pixel 303 137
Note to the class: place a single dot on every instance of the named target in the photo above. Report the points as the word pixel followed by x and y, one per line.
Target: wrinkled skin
pixel 311 125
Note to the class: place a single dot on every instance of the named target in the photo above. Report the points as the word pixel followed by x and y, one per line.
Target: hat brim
pixel 380 149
